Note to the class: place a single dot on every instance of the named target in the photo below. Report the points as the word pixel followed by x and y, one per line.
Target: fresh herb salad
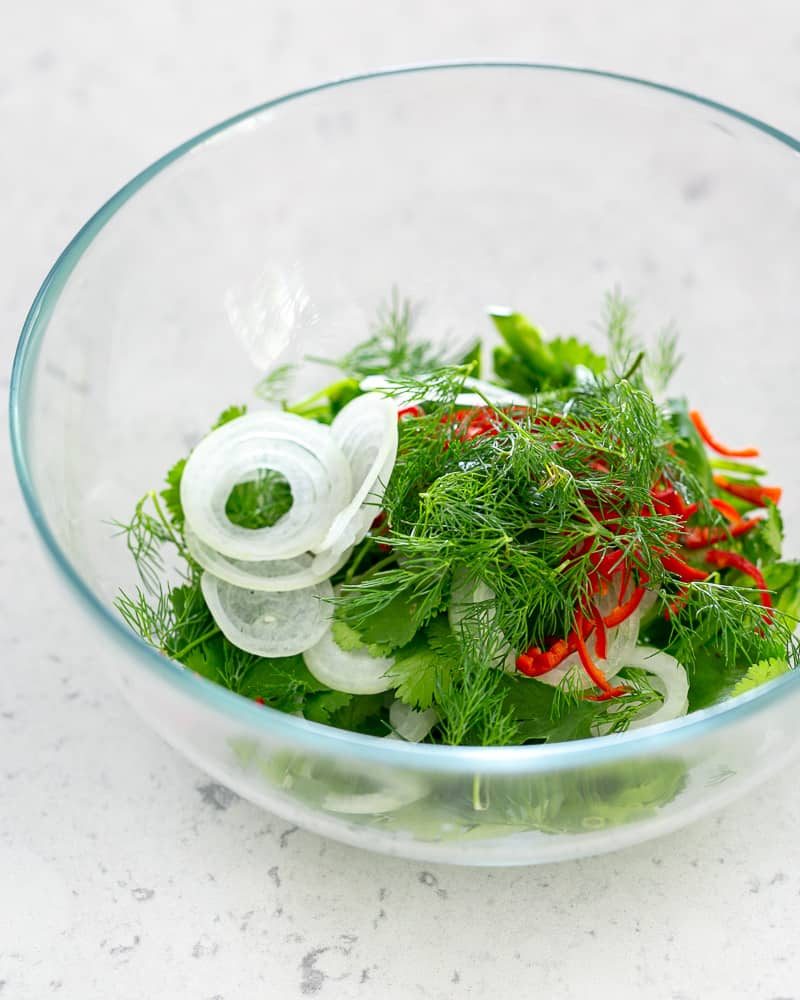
pixel 550 550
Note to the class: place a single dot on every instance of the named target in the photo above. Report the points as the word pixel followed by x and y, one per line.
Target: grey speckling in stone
pixel 142 895
pixel 121 949
pixel 697 188
pixel 283 840
pixel 216 795
pixel 274 874
pixel 364 975
pixel 430 880
pixel 456 977
pixel 311 978
pixel 205 947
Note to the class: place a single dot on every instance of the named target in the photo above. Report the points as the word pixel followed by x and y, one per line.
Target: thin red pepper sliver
pixel 728 511
pixel 410 411
pixel 600 639
pixel 676 565
pixel 732 560
pixel 595 674
pixel 701 538
pixel 711 441
pixel 623 611
pixel 756 495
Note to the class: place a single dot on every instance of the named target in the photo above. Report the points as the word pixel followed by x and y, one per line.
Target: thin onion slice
pixel 366 432
pixel 467 592
pixel 303 451
pixel 670 680
pixel 409 724
pixel 267 574
pixel 354 671
pixel 267 623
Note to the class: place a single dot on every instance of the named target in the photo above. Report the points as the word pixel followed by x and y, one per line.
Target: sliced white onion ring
pixel 267 574
pixel 409 724
pixel 268 623
pixel 303 451
pixel 669 679
pixel 354 672
pixel 466 592
pixel 366 432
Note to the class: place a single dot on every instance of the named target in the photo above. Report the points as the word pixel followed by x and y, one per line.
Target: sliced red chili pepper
pixel 600 639
pixel 676 606
pixel 728 511
pixel 701 538
pixel 595 674
pixel 676 565
pixel 711 441
pixel 756 495
pixel 625 610
pixel 613 692
pixel 732 560
pixel 409 412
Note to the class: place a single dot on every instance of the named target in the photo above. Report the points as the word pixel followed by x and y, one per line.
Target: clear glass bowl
pixel 276 235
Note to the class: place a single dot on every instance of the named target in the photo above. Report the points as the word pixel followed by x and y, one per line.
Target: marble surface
pixel 125 872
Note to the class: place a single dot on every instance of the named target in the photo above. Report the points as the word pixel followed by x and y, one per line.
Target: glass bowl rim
pixel 500 760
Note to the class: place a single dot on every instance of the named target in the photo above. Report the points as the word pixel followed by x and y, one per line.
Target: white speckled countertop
pixel 126 873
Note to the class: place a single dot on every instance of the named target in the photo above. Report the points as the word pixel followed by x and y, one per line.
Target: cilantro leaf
pixel 279 679
pixel 228 414
pixel 415 672
pixel 362 714
pixel 171 494
pixel 758 674
pixel 322 706
pixel 384 629
pixel 529 363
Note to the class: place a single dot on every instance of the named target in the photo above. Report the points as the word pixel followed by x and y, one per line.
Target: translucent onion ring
pixel 303 451
pixel 409 724
pixel 268 623
pixel 670 680
pixel 268 574
pixel 366 432
pixel 354 672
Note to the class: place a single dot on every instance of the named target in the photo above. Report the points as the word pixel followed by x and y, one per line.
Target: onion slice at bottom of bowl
pixel 266 623
pixel 351 671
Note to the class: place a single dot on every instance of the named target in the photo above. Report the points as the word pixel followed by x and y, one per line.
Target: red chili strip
pixel 409 412
pixel 732 560
pixel 711 441
pixel 600 640
pixel 625 610
pixel 595 674
pixel 701 538
pixel 756 495
pixel 728 511
pixel 687 573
